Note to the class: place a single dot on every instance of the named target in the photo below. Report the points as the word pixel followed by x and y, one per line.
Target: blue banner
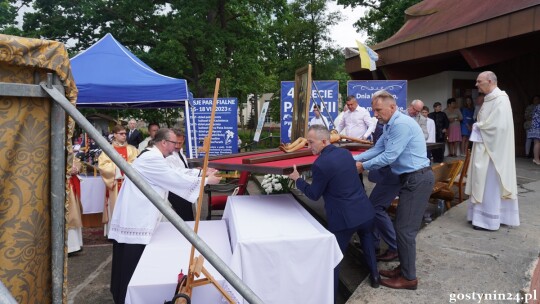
pixel 328 91
pixel 363 91
pixel 225 133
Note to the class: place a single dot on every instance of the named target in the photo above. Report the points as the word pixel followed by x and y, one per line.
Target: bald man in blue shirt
pixel 402 146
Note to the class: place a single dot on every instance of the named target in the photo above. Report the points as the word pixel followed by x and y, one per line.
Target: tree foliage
pixel 383 18
pixel 8 14
pixel 251 45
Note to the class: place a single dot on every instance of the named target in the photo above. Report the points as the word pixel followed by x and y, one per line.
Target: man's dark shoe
pixel 394 273
pixel 375 281
pixel 400 283
pixel 387 256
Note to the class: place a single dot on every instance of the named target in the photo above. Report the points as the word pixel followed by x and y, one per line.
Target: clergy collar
pixel 115 143
pixel 492 93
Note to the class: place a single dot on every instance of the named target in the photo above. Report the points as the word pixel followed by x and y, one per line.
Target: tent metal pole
pixel 58 195
pixel 159 202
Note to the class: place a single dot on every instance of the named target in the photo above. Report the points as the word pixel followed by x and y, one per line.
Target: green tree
pixel 301 34
pixel 251 45
pixel 8 14
pixel 194 40
pixel 383 17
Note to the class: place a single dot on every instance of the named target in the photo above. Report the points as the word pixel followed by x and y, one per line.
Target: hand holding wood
pixel 294 175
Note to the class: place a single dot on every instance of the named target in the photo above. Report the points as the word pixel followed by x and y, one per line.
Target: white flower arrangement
pixel 274 184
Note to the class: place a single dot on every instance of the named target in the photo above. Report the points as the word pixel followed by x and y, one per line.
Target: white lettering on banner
pixel 363 96
pixel 314 94
pixel 218 109
pixel 224 125
pixel 291 92
pixel 326 107
pixel 331 107
pixel 369 96
pixel 322 94
pixel 206 102
pixel 287 106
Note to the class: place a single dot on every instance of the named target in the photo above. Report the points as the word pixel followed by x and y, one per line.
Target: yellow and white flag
pixel 367 56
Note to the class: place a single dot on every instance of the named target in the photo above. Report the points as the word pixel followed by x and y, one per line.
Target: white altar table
pixel 156 276
pixel 280 251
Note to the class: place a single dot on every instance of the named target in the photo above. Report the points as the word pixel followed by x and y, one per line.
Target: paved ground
pixel 452 257
pixel 454 261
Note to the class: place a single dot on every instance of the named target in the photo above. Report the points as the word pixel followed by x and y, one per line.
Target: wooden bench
pixel 444 175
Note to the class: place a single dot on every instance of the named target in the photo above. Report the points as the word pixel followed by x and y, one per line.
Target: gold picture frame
pixel 302 96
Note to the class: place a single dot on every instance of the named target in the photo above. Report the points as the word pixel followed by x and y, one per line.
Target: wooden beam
pixel 276 157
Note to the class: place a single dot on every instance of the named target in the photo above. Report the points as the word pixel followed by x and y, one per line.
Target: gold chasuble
pixel 112 176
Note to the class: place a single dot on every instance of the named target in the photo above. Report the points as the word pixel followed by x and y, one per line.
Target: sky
pixel 344 33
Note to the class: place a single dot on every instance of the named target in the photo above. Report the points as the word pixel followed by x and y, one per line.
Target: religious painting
pixel 302 94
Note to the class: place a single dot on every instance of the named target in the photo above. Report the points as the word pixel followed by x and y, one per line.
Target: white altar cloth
pixel 92 194
pixel 280 251
pixel 156 276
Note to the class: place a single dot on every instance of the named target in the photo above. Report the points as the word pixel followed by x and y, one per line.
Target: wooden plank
pixel 299 153
pixel 276 157
pixel 197 162
pixel 257 168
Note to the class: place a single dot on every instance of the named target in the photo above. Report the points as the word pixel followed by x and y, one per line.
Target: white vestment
pixel 143 144
pixel 177 159
pixel 135 217
pixel 74 239
pixel 491 181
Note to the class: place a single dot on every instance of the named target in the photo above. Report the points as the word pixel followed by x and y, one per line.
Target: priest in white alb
pixel 491 182
pixel 135 217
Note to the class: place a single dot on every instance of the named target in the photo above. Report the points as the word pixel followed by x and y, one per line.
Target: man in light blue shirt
pixel 402 146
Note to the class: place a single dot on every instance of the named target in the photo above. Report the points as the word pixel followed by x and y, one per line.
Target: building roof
pixel 455 35
pixel 431 17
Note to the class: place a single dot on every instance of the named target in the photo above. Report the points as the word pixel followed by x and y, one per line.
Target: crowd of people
pixel 129 217
pixel 399 164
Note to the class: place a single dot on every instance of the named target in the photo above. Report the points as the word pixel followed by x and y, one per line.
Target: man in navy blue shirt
pixel 403 147
pixel 347 207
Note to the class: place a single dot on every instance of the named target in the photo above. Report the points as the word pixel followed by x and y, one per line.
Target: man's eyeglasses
pixel 121 133
pixel 174 142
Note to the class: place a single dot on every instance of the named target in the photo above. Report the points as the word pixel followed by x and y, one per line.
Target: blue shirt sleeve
pixel 394 143
pixel 372 152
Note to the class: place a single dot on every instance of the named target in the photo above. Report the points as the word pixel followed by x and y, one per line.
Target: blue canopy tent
pixel 109 76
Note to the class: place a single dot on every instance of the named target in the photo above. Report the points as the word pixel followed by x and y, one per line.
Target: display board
pixel 225 134
pixel 363 90
pixel 324 92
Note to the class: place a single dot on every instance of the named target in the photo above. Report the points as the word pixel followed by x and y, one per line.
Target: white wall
pixel 260 101
pixel 436 87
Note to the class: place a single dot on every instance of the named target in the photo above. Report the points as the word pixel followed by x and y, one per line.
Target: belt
pixel 420 171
